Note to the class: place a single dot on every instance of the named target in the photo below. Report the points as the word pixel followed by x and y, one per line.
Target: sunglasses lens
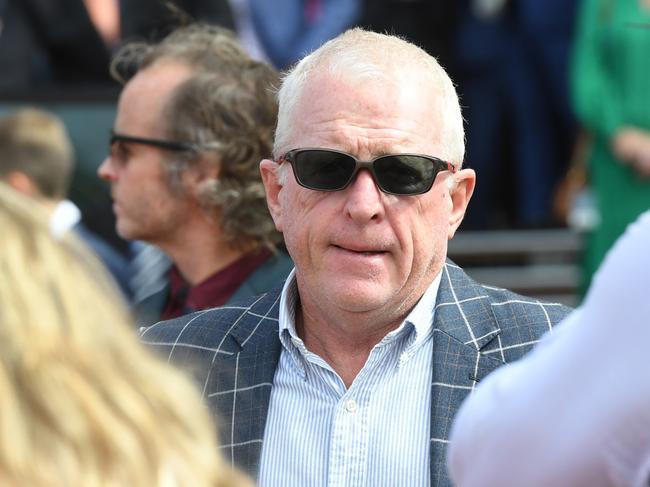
pixel 323 170
pixel 405 174
pixel 402 174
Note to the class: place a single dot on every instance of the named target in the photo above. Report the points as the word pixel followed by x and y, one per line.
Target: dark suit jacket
pixel 428 24
pixel 233 352
pixel 273 271
pixel 152 20
pixel 114 262
pixel 51 42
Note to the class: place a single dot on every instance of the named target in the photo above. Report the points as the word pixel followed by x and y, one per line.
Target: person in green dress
pixel 611 97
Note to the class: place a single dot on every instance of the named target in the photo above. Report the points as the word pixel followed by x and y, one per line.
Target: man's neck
pixel 345 339
pixel 201 252
pixel 344 343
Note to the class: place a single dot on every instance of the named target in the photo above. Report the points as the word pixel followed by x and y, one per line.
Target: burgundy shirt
pixel 214 291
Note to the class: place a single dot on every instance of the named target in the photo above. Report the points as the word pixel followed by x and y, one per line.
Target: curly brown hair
pixel 226 108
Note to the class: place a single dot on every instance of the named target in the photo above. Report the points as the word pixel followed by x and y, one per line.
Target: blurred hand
pixel 631 145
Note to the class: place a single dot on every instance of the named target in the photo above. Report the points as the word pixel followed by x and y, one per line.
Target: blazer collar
pixel 463 324
pixel 248 374
pixel 254 326
pixel 463 310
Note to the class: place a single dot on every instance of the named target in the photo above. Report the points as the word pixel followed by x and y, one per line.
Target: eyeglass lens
pixel 403 174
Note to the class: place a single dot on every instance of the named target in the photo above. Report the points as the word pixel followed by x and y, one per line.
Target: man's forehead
pixel 329 95
pixel 145 96
pixel 372 117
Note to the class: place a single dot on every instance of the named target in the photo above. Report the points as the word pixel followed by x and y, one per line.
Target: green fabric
pixel 610 90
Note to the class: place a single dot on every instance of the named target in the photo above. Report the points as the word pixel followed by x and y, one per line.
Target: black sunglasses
pixel 162 144
pixel 331 170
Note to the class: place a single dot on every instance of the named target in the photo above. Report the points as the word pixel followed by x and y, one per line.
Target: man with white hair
pixel 352 373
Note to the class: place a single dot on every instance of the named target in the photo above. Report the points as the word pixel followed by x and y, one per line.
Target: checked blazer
pixel 233 352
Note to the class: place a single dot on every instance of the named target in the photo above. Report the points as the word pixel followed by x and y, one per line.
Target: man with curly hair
pixel 194 118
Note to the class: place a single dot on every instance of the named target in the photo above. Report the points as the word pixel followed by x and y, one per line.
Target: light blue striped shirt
pixel 318 433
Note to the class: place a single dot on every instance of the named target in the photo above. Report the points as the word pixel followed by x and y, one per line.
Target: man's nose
pixel 364 200
pixel 106 169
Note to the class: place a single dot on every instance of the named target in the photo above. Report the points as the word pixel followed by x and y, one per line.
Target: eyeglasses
pixel 162 144
pixel 331 170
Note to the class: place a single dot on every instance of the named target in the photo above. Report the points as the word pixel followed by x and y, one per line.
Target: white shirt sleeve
pixel 576 410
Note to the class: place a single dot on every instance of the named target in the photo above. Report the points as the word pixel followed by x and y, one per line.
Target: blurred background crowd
pixel 556 101
pixel 554 92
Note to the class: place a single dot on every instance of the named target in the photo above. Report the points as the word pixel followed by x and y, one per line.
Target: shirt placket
pixel 350 426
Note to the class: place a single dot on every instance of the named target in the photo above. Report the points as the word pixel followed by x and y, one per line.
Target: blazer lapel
pixel 148 310
pixel 463 324
pixel 242 380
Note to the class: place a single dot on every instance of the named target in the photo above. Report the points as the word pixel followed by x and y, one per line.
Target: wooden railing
pixel 538 263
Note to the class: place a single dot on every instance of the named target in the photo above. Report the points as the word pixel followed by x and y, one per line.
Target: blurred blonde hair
pixel 81 401
pixel 36 143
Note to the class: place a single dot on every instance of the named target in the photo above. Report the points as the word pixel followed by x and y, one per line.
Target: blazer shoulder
pixel 502 321
pixel 523 320
pixel 210 327
pixel 524 308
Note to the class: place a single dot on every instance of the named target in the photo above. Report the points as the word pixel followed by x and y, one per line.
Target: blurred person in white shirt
pixel 575 411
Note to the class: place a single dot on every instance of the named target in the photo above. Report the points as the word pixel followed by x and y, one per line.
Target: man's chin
pixel 127 232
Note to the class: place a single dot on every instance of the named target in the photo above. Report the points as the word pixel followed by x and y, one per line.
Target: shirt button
pixel 351 406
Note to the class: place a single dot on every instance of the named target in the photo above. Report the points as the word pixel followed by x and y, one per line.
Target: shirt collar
pixel 65 216
pixel 420 317
pixel 215 290
pixel 288 301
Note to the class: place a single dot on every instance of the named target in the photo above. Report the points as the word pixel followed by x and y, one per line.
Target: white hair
pixel 362 55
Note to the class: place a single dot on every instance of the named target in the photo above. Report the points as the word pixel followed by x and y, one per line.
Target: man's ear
pixel 270 177
pixel 22 183
pixel 461 192
pixel 206 167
